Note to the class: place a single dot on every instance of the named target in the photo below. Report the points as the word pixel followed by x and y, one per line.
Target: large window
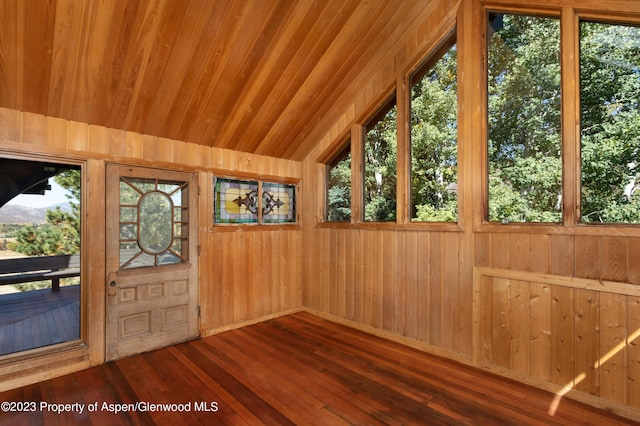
pixel 434 137
pixel 610 122
pixel 524 118
pixel 39 254
pixel 380 154
pixel 432 145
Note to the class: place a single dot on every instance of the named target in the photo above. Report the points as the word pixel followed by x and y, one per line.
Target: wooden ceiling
pixel 261 76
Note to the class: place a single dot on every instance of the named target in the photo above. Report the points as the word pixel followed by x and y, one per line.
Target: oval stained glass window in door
pixel 156 224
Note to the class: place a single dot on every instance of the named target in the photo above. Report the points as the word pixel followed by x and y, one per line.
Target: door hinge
pixel 199 250
pixel 199 310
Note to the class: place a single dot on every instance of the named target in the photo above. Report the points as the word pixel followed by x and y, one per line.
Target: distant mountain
pixel 21 214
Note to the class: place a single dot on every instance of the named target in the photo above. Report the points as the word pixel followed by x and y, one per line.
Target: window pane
pixel 278 203
pixel 156 222
pixel 524 114
pixel 147 239
pixel 380 166
pixel 434 132
pixel 339 187
pixel 610 122
pixel 36 308
pixel 235 201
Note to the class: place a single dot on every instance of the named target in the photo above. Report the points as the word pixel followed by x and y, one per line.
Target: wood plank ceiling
pixel 260 76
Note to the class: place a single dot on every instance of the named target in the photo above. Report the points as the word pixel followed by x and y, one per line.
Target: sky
pixel 55 196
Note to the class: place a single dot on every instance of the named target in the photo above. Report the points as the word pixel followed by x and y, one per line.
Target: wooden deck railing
pixel 39 268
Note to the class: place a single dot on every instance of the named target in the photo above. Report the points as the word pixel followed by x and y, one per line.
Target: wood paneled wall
pixel 574 333
pixel 250 275
pixel 405 283
pixel 245 275
pixel 553 306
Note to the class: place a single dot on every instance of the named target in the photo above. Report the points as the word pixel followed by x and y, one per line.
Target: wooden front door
pixel 151 259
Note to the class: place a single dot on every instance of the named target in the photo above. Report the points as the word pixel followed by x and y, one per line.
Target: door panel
pixel 152 288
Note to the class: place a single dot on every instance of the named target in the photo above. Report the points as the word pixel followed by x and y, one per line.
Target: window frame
pixel 79 344
pixel 357 131
pixel 606 19
pixel 259 223
pixel 487 204
pixel 570 18
pixel 443 46
pixel 383 109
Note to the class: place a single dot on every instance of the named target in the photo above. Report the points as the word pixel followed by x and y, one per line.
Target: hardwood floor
pixel 297 369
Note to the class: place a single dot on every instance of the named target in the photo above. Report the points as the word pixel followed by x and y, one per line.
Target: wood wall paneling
pixel 417 283
pixel 552 306
pixel 587 307
pixel 612 346
pixel 226 74
pixel 244 276
pixel 633 351
pixel 568 336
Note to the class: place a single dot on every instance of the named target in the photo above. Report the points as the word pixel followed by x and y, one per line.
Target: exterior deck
pixel 38 318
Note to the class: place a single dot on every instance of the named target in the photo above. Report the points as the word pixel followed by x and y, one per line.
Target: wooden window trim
pixel 254 226
pixel 47 358
pixel 570 70
pixel 444 44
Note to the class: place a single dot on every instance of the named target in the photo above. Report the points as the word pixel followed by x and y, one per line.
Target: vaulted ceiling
pixel 261 76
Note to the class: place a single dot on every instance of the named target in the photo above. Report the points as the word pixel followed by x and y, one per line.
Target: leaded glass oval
pixel 156 225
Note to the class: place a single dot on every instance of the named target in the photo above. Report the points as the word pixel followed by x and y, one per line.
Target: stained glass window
pixel 239 202
pixel 278 203
pixel 153 222
pixel 235 201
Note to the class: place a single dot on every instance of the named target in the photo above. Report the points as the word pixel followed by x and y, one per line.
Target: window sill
pixel 596 229
pixel 412 226
pixel 255 227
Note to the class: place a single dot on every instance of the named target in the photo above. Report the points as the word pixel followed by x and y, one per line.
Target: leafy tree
pixel 61 232
pixel 525 178
pixel 610 122
pixel 524 130
pixel 380 168
pixel 524 121
pixel 71 180
pixel 434 132
pixel 339 189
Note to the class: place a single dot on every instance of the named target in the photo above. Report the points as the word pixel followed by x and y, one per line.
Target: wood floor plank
pixel 388 404
pixel 244 394
pixel 39 318
pixel 338 397
pixel 232 411
pixel 441 380
pixel 294 370
pixel 274 388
